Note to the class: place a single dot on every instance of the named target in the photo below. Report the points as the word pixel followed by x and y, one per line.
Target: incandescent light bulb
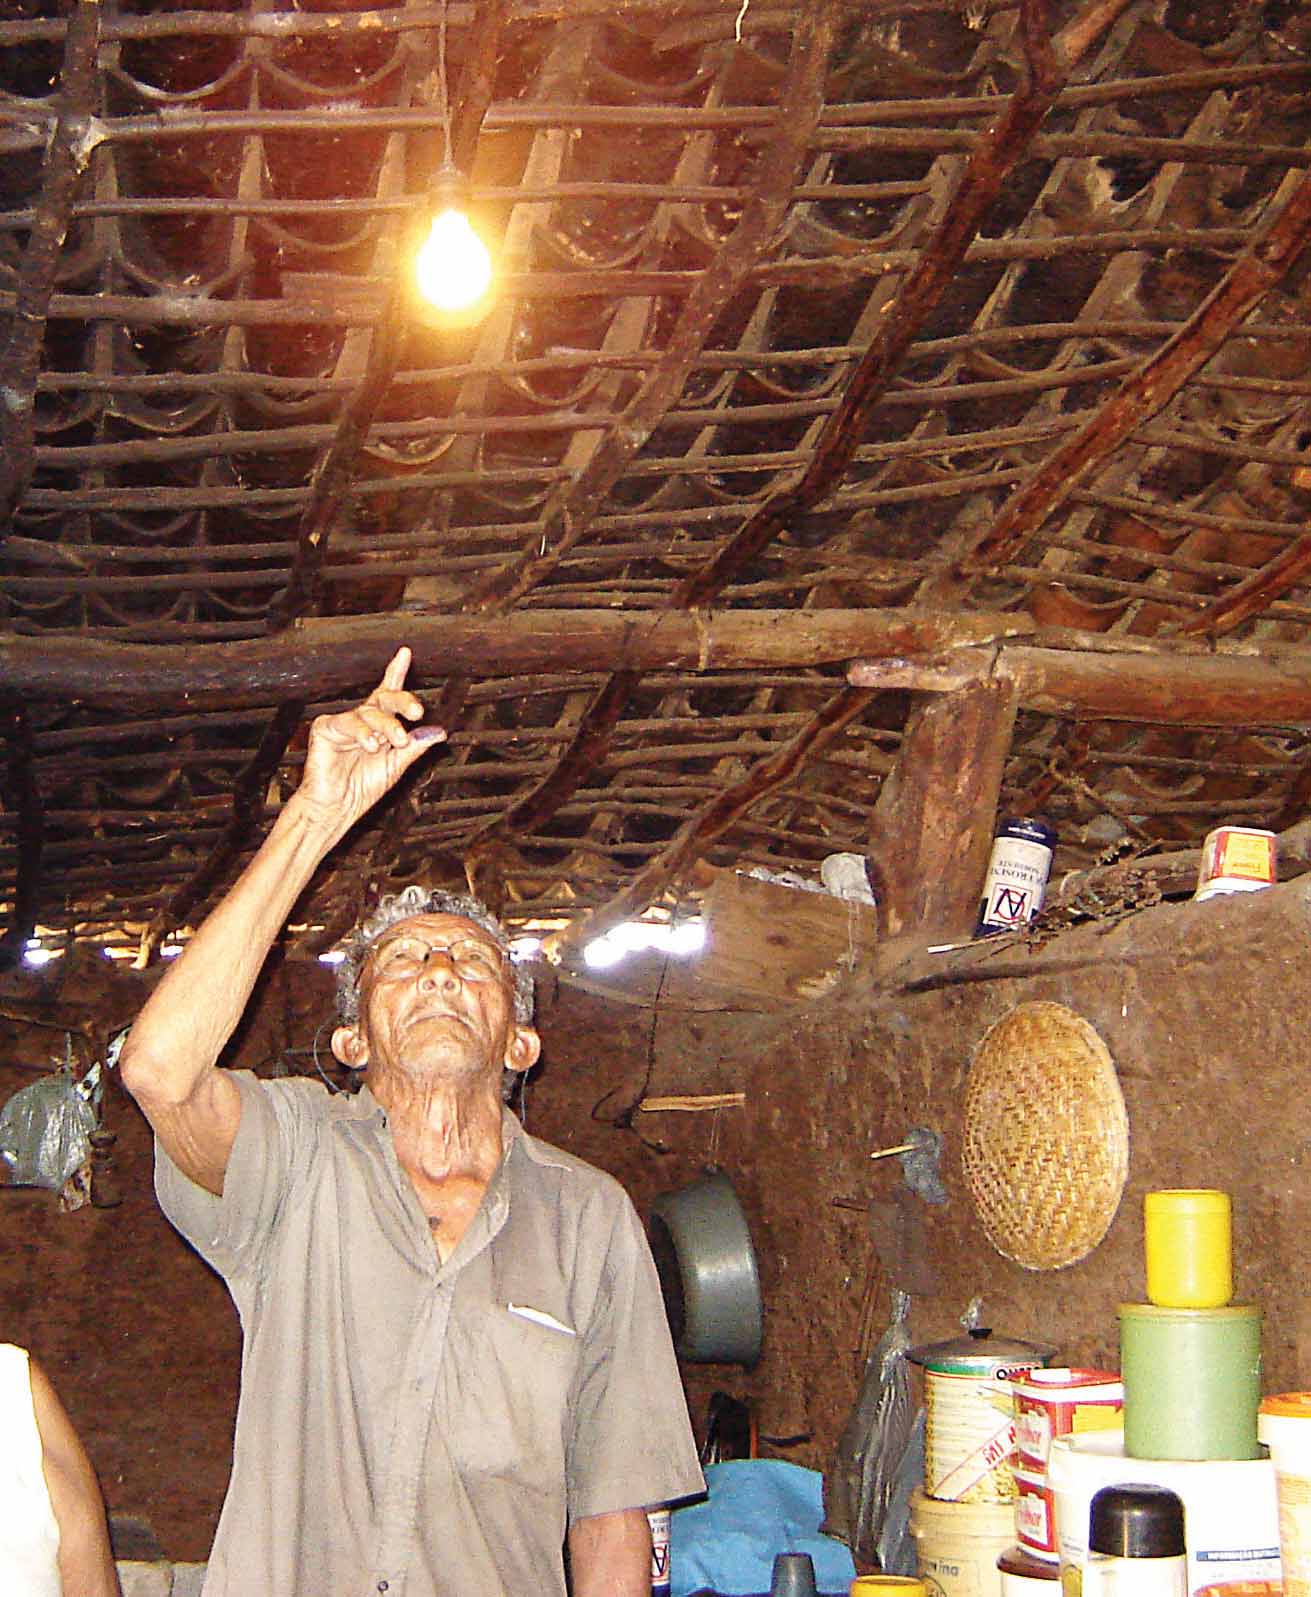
pixel 453 267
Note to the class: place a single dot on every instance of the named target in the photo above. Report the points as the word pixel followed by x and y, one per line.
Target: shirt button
pixel 382 1585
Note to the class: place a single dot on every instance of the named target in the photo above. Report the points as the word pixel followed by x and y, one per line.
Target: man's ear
pixel 522 1049
pixel 349 1046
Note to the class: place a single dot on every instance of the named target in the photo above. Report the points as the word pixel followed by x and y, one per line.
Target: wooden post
pixel 934 820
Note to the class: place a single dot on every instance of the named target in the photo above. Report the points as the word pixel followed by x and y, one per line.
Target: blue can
pixel 1017 875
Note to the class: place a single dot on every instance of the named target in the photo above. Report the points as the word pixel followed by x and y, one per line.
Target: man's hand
pixel 357 756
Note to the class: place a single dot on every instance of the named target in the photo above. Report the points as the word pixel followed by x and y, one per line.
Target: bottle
pixel 1017 876
pixel 1136 1543
pixel 658 1520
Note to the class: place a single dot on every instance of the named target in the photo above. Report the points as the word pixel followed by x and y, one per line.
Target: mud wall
pixel 1203 1007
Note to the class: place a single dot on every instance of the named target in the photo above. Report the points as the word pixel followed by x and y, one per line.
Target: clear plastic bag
pixel 860 1489
pixel 45 1129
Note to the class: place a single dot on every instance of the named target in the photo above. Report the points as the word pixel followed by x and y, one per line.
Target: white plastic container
pixel 958 1544
pixel 1284 1425
pixel 1230 1509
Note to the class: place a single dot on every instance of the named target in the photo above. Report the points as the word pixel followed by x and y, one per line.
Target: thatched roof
pixel 966 339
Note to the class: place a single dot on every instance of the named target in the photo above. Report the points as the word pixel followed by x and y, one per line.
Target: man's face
pixel 437 995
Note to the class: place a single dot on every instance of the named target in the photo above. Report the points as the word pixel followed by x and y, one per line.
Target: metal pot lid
pixel 981 1352
pixel 708 1273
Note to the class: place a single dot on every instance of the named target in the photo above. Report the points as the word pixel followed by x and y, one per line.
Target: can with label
pixel 1236 859
pixel 658 1520
pixel 1017 876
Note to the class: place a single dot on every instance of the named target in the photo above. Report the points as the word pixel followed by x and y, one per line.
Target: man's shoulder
pixel 300 1102
pixel 574 1173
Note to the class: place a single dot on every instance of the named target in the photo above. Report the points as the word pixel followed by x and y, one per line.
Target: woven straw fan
pixel 1046 1143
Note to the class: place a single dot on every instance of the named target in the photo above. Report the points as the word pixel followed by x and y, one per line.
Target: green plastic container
pixel 1192 1381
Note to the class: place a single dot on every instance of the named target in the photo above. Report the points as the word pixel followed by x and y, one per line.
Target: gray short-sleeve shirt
pixel 417 1428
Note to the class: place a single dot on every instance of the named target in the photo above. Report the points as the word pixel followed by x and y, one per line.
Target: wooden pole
pixel 340 656
pixel 1148 685
pixel 933 823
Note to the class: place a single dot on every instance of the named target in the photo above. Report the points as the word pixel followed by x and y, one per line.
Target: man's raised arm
pixel 168 1060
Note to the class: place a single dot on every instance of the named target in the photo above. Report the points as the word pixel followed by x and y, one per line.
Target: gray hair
pixel 419 900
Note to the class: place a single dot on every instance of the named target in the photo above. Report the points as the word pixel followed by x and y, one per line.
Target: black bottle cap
pixel 1133 1521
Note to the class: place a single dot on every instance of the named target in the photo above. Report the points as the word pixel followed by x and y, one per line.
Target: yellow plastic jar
pixel 1188 1243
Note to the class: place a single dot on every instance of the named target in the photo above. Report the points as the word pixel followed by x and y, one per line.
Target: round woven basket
pixel 1046 1142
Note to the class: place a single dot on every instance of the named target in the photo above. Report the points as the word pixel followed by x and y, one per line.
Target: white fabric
pixel 29 1537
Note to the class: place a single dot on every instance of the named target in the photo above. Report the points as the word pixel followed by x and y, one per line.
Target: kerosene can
pixel 1017 875
pixel 658 1519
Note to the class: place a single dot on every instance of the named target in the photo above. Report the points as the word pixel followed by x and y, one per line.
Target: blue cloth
pixel 756 1507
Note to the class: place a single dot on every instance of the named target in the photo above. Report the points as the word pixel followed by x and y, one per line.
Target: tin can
pixel 1017 875
pixel 658 1520
pixel 969 1430
pixel 1235 859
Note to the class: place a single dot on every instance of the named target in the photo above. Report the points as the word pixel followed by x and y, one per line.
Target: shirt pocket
pixel 514 1378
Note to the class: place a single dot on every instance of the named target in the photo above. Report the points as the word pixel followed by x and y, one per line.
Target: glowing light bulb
pixel 453 267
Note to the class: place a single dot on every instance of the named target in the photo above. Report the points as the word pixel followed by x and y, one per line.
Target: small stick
pixel 708 1100
pixel 902 1147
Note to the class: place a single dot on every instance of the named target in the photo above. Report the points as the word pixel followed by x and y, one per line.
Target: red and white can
pixel 1055 1402
pixel 1236 859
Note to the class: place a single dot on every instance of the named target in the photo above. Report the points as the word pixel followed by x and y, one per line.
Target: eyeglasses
pixel 471 959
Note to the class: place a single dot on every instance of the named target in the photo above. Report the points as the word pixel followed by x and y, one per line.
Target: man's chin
pixel 435 1050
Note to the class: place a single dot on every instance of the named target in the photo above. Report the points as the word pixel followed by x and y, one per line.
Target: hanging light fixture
pixel 453 267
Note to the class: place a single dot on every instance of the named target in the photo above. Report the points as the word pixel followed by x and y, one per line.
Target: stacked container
pixel 1190 1361
pixel 1048 1404
pixel 965 1516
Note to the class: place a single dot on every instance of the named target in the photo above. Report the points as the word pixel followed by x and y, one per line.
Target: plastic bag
pixel 859 1489
pixel 755 1508
pixel 45 1129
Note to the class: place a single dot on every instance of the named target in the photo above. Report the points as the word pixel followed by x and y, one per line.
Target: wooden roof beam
pixel 569 515
pixel 74 138
pixel 1059 672
pixel 1119 680
pixel 933 823
pixel 338 656
pixel 715 818
pixel 994 158
pixel 1145 394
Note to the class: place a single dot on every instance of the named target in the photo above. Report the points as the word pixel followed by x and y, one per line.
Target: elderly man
pixel 455 1357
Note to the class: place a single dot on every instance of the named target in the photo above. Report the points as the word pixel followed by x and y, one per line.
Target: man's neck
pixel 446 1134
